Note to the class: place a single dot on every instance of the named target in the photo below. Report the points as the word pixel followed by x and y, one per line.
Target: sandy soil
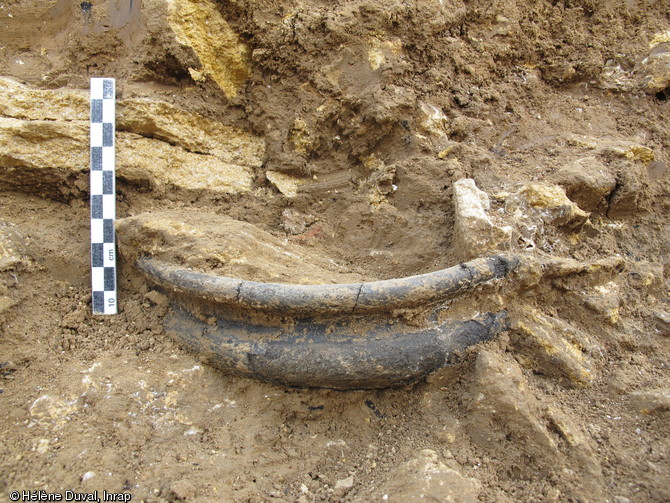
pixel 335 135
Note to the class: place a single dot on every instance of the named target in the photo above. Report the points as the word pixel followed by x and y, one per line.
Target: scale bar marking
pixel 103 196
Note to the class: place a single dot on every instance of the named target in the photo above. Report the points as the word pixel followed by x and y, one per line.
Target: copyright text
pixel 68 496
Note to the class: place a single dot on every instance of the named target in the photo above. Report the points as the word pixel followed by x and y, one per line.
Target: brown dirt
pixel 369 113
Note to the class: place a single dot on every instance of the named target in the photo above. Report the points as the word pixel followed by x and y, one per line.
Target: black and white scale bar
pixel 103 196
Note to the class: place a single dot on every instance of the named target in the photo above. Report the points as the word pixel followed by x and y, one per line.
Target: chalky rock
pixel 427 478
pixel 19 101
pixel 587 182
pixel 502 405
pixel 554 206
pixel 199 26
pixel 288 185
pixel 43 140
pixel 217 243
pixel 191 131
pixel 662 320
pixel 43 157
pixel 13 257
pixel 13 251
pixel 616 76
pixel 475 232
pixel 163 167
pixel 650 401
pixel 44 145
pixel 654 71
pixel 504 411
pixel 552 347
pixel 631 194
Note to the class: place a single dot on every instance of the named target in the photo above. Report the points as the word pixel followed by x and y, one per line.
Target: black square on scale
pixel 96 158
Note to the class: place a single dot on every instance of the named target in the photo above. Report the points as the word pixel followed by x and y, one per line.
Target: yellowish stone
pixel 224 58
pixel 286 184
pixel 640 153
pixel 191 131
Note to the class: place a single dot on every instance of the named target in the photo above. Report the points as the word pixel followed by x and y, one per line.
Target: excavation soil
pixel 347 126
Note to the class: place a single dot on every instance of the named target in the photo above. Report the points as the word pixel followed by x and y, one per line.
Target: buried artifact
pixel 341 336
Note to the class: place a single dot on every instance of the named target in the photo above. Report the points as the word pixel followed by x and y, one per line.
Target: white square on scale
pixel 96 88
pixel 96 182
pixel 97 230
pixel 98 278
pixel 108 162
pixel 96 134
pixel 108 110
pixel 108 206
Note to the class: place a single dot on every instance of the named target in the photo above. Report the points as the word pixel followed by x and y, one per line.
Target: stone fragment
pixel 631 194
pixel 647 402
pixel 14 257
pixel 577 440
pixel 587 182
pixel 475 232
pixel 192 132
pixel 198 24
pixel 556 267
pixel 302 138
pixel 502 406
pixel 612 149
pixel 286 184
pixel 381 176
pixel 22 102
pixel 504 414
pixel 554 205
pixel 54 412
pixel 433 120
pixel 640 153
pixel 604 299
pixel 157 298
pixel 164 166
pixel 535 268
pixel 87 476
pixel 427 478
pixel 662 37
pixel 381 51
pixel 42 446
pixel 13 250
pixel 654 71
pixel 44 157
pixel 552 347
pixel 651 74
pixel 347 483
pixel 343 486
pixel 210 242
pixel 44 149
pixel 559 72
pixel 616 76
pixel 295 222
pixel 662 322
